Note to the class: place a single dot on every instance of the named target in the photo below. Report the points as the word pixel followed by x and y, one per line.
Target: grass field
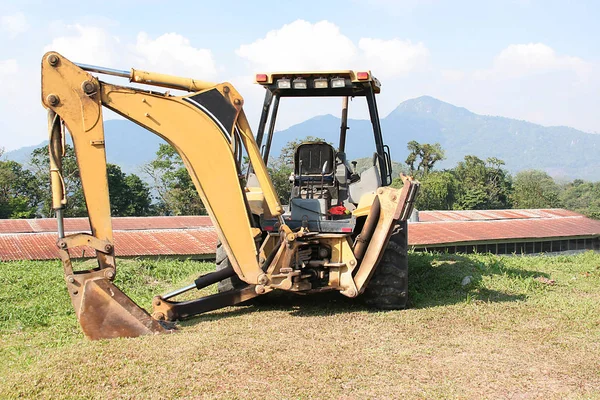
pixel 525 327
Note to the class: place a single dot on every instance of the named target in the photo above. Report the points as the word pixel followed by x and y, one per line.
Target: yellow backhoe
pixel 342 230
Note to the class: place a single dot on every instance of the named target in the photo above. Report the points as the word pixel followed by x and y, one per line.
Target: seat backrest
pixel 311 157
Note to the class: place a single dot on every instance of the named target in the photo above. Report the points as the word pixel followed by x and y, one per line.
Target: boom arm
pixel 208 129
pixel 204 127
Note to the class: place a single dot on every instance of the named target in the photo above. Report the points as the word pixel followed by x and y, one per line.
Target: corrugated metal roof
pixel 485 215
pixel 119 223
pixel 35 239
pixel 164 242
pixel 445 227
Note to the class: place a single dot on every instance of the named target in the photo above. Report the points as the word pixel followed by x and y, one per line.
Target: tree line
pixel 476 184
pixel 473 184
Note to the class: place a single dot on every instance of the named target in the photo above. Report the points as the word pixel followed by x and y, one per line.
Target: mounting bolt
pixel 259 289
pixel 237 102
pixel 71 279
pixel 108 248
pixel 352 263
pixel 351 292
pixel 157 302
pixel 62 245
pixel 109 273
pixel 394 197
pixel 380 191
pixel 53 100
pixel 225 89
pixel 53 60
pixel 88 87
pixel 159 316
pixel 403 294
pixel 263 279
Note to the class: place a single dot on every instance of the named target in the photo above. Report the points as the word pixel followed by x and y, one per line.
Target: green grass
pixel 506 334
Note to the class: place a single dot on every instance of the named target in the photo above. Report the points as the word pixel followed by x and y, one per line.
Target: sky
pixel 535 60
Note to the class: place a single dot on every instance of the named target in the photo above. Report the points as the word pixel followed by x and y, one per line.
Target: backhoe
pixel 341 231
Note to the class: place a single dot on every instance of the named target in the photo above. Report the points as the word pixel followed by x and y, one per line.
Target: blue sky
pixel 526 59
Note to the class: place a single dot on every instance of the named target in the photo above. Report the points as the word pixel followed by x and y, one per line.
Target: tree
pixel 129 195
pixel 582 197
pixel 40 163
pixel 20 193
pixel 424 156
pixel 438 191
pixel 535 189
pixel 176 191
pixel 482 184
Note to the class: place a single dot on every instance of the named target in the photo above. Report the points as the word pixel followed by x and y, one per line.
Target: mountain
pixel 561 151
pixel 127 145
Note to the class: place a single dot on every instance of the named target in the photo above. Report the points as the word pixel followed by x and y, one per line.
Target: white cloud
pixel 531 82
pixel 300 46
pixel 519 60
pixel 169 53
pixel 173 54
pixel 8 67
pixel 14 24
pixel 88 45
pixel 392 58
pixel 452 75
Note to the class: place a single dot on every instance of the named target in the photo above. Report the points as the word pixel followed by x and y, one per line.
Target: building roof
pixel 460 227
pixel 119 224
pixel 194 236
pixel 35 239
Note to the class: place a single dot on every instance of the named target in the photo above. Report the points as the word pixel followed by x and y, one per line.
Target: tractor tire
pixel 222 262
pixel 388 287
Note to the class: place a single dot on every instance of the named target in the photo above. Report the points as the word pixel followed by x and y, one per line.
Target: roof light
pixel 261 78
pixel 284 83
pixel 321 83
pixel 362 76
pixel 338 83
pixel 299 83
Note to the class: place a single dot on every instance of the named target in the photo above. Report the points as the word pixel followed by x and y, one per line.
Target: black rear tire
pixel 388 287
pixel 222 262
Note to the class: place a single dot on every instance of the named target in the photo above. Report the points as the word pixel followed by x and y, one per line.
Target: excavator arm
pixel 209 130
pixel 205 128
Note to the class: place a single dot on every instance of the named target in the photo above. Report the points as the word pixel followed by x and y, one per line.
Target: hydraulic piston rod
pixel 103 70
pixel 152 78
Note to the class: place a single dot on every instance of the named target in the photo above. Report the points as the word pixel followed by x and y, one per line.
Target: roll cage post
pixel 271 103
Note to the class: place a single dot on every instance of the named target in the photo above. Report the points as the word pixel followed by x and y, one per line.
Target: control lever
pixel 323 170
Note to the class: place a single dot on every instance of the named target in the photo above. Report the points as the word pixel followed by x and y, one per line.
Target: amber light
pixel 261 78
pixel 362 76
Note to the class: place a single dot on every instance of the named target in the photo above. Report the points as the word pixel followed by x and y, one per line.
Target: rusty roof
pixel 119 224
pixel 454 227
pixel 35 239
pixel 488 215
pixel 130 243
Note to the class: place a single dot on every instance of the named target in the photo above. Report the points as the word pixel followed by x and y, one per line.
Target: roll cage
pixel 355 84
